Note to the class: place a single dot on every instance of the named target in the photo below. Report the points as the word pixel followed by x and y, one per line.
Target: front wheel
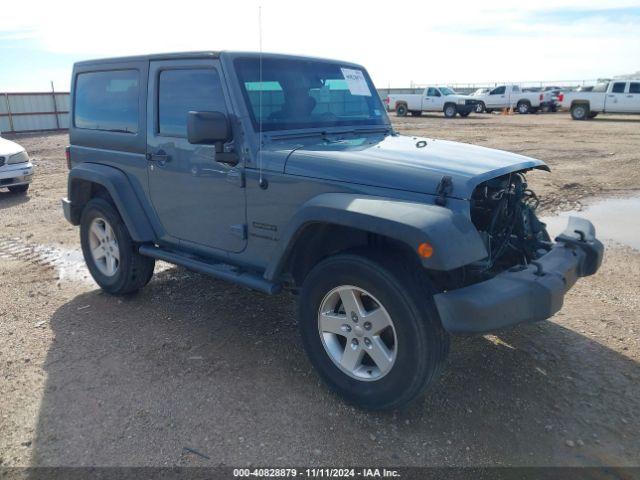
pixel 450 110
pixel 109 251
pixel 371 330
pixel 401 110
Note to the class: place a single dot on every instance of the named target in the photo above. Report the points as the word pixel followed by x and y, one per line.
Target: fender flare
pixel 455 240
pixel 121 191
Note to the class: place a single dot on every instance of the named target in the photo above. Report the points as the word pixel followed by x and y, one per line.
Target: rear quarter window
pixel 107 100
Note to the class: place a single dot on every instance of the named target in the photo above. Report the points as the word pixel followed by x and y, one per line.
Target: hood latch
pixel 445 187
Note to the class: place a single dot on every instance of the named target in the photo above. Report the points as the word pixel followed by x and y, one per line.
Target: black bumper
pixel 71 213
pixel 524 294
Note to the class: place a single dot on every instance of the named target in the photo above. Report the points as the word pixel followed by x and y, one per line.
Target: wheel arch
pixel 87 181
pixel 334 222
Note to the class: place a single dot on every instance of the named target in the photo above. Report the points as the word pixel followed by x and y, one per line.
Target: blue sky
pixel 399 42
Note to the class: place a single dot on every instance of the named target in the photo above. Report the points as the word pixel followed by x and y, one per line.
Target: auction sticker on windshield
pixel 356 82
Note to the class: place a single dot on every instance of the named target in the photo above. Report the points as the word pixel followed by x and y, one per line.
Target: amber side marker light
pixel 425 250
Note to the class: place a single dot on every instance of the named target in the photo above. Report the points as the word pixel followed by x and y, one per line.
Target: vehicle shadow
pixel 193 371
pixel 616 120
pixel 9 199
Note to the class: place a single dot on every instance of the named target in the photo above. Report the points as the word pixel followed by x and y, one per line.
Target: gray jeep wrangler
pixel 274 172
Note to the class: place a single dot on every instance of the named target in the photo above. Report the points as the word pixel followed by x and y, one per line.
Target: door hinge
pixel 239 231
pixel 236 177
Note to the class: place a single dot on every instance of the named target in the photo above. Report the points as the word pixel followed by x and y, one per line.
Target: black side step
pixel 222 271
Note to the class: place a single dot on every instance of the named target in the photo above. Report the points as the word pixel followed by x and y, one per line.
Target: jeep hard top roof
pixel 203 55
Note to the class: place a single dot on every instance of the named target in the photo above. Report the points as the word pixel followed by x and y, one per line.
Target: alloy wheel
pixel 357 333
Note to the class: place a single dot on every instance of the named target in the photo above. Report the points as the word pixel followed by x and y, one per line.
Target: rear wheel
pixel 524 107
pixel 450 110
pixel 580 111
pixel 109 252
pixel 480 108
pixel 401 110
pixel 370 329
pixel 19 188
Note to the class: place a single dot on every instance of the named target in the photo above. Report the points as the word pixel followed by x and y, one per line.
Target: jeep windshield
pixel 288 94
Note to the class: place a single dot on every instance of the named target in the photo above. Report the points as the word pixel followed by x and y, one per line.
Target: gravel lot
pixel 193 371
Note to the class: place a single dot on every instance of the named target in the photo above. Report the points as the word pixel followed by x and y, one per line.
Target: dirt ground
pixel 193 371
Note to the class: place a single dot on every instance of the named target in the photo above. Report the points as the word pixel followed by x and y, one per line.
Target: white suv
pixel 16 170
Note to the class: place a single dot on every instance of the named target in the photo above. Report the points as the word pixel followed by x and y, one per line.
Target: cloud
pixel 398 41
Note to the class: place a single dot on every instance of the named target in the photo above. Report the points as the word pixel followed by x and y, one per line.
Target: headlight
pixel 20 157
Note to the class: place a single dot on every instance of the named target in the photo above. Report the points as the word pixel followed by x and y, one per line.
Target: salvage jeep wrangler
pixel 280 172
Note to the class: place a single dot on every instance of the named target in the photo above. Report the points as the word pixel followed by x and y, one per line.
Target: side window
pixel 498 90
pixel 432 92
pixel 107 101
pixel 180 91
pixel 516 89
pixel 618 87
pixel 634 87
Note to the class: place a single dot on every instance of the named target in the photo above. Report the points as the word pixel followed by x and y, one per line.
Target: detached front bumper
pixel 14 175
pixel 524 294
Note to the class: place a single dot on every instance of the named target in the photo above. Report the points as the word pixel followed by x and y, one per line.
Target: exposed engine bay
pixel 503 210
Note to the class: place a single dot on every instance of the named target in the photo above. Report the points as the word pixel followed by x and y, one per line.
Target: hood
pixel 7 147
pixel 405 163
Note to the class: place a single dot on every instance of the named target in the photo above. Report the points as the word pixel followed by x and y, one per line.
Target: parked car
pixel 16 170
pixel 432 99
pixel 511 96
pixel 621 96
pixel 279 172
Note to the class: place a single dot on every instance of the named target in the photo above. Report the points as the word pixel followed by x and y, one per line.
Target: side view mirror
pixel 207 128
pixel 211 128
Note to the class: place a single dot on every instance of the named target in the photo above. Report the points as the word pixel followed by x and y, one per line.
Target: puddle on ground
pixel 616 219
pixel 68 263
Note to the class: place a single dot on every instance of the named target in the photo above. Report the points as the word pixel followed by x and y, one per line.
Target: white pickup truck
pixel 512 96
pixel 621 96
pixel 432 99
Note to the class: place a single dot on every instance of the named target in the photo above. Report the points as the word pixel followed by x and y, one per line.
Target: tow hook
pixel 539 270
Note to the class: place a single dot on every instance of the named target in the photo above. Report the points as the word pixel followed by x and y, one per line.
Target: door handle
pixel 159 157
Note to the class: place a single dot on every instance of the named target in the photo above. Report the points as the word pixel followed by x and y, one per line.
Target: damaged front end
pixel 525 276
pixel 503 210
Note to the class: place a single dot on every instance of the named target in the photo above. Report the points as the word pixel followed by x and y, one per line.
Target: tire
pixel 580 111
pixel 19 188
pixel 450 110
pixel 480 107
pixel 421 344
pixel 401 110
pixel 117 268
pixel 524 107
pixel 416 113
pixel 464 114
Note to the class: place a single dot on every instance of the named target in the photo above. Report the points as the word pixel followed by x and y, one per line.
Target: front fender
pixel 121 192
pixel 454 239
